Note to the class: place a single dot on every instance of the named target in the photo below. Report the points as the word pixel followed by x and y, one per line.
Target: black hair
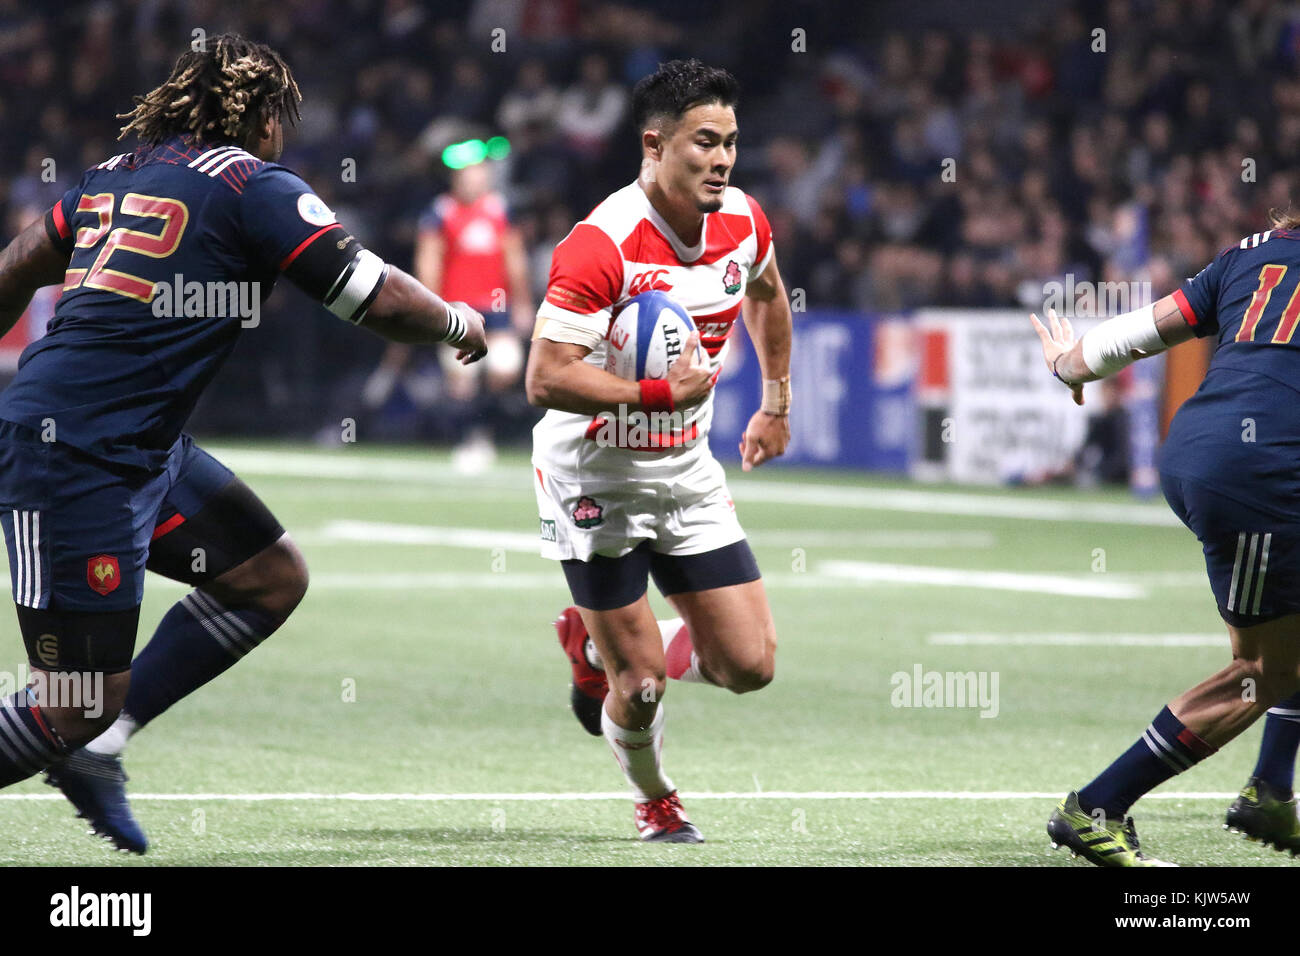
pixel 678 85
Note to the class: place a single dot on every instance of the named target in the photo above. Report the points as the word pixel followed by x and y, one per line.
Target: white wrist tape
pixel 1110 346
pixel 456 326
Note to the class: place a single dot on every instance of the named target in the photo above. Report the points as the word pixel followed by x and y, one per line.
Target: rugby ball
pixel 647 336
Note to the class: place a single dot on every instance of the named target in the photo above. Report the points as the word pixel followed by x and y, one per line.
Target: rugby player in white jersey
pixel 613 514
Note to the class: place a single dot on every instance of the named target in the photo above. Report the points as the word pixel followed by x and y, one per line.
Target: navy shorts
pixel 1251 556
pixel 603 584
pixel 78 529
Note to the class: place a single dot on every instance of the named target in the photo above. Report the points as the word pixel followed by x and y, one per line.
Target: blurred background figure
pixel 467 250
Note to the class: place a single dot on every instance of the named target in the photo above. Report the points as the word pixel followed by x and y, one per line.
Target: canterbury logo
pixel 648 281
pixel 626 745
pixel 47 649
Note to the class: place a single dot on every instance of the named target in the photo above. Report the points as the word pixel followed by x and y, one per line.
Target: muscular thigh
pixel 610 594
pixel 209 523
pixel 730 626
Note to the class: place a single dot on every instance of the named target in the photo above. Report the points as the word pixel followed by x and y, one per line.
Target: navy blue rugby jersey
pixel 147 317
pixel 1240 432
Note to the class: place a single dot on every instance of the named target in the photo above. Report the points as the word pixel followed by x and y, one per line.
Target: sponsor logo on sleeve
pixel 314 211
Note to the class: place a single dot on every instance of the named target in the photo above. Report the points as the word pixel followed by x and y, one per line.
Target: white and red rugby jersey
pixel 623 248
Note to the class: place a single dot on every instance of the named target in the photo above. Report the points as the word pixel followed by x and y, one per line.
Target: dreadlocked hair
pixel 218 93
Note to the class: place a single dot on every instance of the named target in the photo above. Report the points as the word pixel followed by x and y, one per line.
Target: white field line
pixel 829 574
pixel 1050 639
pixel 1083 586
pixel 386 533
pixel 349 464
pixel 377 532
pixel 584 797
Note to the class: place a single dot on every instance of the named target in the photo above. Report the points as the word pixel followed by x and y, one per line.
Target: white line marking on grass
pixel 380 532
pixel 388 533
pixel 583 797
pixel 902 538
pixel 954 503
pixel 992 580
pixel 350 465
pixel 1081 640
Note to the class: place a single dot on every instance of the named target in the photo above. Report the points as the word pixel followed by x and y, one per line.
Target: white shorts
pixel 610 515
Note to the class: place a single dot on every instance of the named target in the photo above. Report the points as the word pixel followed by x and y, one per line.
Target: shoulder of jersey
pixel 1255 240
pixel 230 165
pixel 735 201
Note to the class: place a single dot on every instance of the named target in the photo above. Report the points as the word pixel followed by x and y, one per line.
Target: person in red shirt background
pixel 468 246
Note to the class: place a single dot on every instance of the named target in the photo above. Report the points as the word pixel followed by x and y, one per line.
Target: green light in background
pixel 468 153
pixel 498 147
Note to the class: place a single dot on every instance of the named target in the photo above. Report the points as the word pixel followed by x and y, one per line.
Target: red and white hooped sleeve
pixel 586 280
pixel 763 234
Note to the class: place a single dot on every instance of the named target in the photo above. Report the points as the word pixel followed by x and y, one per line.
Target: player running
pixel 97 480
pixel 613 516
pixel 1230 469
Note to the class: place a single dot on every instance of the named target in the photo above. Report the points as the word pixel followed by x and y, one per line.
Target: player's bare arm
pixel 28 263
pixel 405 311
pixel 558 378
pixel 768 318
pixel 1111 346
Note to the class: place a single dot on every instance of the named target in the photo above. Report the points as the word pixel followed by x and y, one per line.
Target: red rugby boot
pixel 587 693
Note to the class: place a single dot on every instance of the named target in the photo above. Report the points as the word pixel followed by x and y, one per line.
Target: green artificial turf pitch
pixel 422 674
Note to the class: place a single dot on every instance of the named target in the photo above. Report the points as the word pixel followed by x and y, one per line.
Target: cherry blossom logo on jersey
pixel 588 514
pixel 731 278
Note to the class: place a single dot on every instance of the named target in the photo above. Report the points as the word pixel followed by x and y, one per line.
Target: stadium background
pixel 1120 164
pixel 428 597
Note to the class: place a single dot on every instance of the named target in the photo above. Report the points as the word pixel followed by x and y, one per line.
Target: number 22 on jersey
pixel 174 215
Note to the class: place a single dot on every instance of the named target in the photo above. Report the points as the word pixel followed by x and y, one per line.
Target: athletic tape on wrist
pixel 776 396
pixel 456 327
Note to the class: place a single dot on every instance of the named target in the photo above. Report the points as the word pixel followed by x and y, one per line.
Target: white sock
pixel 112 741
pixel 690 673
pixel 638 753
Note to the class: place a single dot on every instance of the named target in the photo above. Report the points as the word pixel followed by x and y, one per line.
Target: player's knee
pixel 282 578
pixel 293 578
pixel 746 676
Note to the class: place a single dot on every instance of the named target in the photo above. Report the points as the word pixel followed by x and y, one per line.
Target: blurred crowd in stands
pixel 901 165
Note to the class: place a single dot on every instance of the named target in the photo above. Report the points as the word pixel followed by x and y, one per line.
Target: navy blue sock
pixel 1277 750
pixel 27 743
pixel 1165 749
pixel 196 640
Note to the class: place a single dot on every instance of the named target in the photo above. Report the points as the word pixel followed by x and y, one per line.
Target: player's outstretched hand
pixel 473 346
pixel 766 436
pixel 689 378
pixel 1056 343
